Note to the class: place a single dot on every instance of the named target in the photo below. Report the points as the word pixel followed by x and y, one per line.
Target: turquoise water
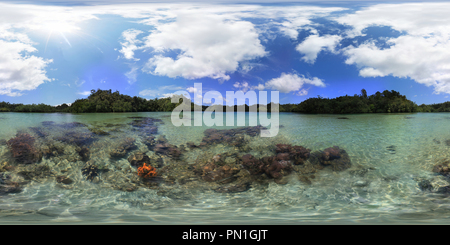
pixel 391 154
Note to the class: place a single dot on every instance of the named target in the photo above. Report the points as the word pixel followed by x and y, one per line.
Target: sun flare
pixel 62 27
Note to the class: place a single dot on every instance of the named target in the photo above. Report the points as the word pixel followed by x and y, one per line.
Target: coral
pixel 335 157
pixel 90 171
pixel 298 154
pixel 276 168
pixel 217 170
pixel 146 171
pixel 253 165
pixel 23 150
pixel 224 174
pixel 330 154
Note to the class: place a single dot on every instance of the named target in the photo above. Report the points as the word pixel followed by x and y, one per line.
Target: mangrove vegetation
pixel 108 101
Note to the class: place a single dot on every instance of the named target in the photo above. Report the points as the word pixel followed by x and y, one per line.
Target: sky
pixel 55 52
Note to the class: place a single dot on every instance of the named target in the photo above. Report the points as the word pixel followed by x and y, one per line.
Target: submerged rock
pixel 90 171
pixel 297 154
pixel 7 186
pixel 442 168
pixel 233 137
pixel 146 125
pixel 234 188
pixel 123 147
pixel 275 168
pixel 162 147
pixel 39 132
pixel 138 159
pixel 64 179
pixel 23 149
pixel 84 153
pixel 33 172
pixel 336 158
pixel 77 138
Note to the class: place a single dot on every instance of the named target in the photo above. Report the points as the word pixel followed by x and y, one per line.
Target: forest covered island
pixel 108 101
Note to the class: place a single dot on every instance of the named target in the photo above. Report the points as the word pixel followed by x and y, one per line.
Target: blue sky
pixel 55 52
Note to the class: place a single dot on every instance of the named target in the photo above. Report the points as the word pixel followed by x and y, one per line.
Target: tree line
pixel 108 101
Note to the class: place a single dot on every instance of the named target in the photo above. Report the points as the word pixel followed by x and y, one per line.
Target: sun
pixel 61 27
pixel 58 27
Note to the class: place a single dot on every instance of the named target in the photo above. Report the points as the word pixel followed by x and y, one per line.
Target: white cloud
pixel 160 92
pixel 287 83
pixel 259 87
pixel 191 90
pixel 18 70
pixel 129 45
pixel 79 82
pixel 132 75
pixel 302 92
pixel 84 93
pixel 244 86
pixel 314 44
pixel 209 45
pixel 421 53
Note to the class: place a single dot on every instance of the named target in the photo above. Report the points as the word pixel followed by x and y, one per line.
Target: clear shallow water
pixel 390 155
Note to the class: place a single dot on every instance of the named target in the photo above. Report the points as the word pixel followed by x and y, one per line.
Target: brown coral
pixel 146 171
pixel 23 150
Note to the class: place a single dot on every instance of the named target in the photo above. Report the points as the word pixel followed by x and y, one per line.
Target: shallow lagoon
pixel 392 156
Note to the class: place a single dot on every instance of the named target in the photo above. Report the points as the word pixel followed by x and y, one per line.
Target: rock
pixel 212 172
pixel 425 185
pixel 330 153
pixel 252 164
pixel 335 157
pixel 360 183
pixel 64 179
pixel 23 149
pixel 233 137
pixel 275 168
pixel 138 159
pixel 168 150
pixel 191 145
pixel 149 141
pixel 33 172
pixel 90 171
pixel 7 186
pixel 297 154
pixel 123 147
pixel 84 153
pixel 234 188
pixel 442 168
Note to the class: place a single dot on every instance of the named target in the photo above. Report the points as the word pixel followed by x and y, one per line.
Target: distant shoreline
pixel 106 101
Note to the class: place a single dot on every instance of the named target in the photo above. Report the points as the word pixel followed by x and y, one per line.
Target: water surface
pixel 391 157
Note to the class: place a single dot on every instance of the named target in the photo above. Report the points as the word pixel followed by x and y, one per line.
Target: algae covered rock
pixel 23 149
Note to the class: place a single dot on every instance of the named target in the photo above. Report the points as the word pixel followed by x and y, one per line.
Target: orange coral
pixel 146 171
